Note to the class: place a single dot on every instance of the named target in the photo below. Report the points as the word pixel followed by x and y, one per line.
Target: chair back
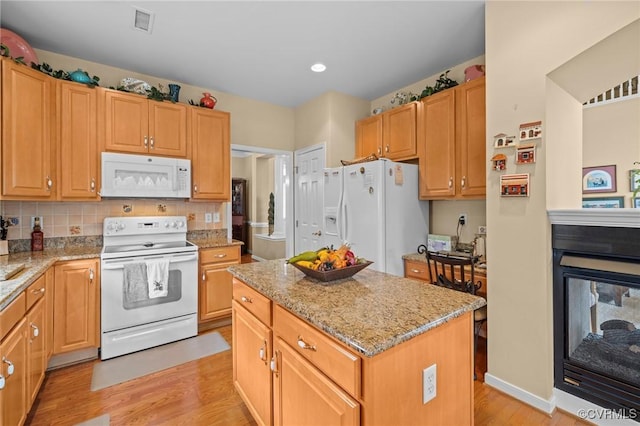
pixel 454 272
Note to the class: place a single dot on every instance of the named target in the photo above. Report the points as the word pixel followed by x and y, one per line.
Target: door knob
pixel 317 233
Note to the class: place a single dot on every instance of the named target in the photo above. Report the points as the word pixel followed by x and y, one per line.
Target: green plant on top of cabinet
pixel 28 142
pixel 391 134
pixel 451 143
pixel 210 154
pixel 135 124
pixel 78 135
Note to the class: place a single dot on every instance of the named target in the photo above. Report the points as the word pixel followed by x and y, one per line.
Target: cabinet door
pixel 216 292
pixel 471 136
pixel 252 376
pixel 211 155
pixel 27 133
pixel 167 129
pixel 79 158
pixel 77 292
pixel 437 146
pixel 302 395
pixel 399 132
pixel 13 368
pixel 126 122
pixel 49 277
pixel 369 136
pixel 36 349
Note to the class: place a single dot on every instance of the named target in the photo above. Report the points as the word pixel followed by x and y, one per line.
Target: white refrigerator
pixel 374 207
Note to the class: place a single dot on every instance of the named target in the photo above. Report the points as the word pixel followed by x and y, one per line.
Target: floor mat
pixel 127 367
pixel 96 421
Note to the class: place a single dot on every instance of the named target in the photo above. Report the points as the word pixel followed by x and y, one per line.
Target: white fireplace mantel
pixel 623 218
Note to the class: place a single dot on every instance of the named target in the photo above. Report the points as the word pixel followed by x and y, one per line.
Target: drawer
pixel 11 314
pixel 329 356
pixel 35 291
pixel 230 254
pixel 417 270
pixel 253 301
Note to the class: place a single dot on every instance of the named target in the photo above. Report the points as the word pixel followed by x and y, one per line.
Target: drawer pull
pixel 263 351
pixel 36 332
pixel 305 345
pixel 246 299
pixel 416 271
pixel 221 255
pixel 37 291
pixel 274 363
pixel 2 381
pixel 10 368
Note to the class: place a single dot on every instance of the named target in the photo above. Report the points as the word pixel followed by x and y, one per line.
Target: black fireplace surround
pixel 596 289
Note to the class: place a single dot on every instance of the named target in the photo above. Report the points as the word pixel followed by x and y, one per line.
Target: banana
pixel 305 263
pixel 306 255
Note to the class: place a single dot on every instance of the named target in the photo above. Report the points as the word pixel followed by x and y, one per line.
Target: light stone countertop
pixel 35 264
pixel 213 242
pixel 370 312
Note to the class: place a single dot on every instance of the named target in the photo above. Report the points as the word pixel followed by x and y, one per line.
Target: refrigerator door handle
pixel 339 218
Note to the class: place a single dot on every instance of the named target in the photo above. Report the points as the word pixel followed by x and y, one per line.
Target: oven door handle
pixel 174 259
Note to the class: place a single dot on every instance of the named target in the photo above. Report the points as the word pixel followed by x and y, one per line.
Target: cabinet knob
pixel 2 381
pixel 195 188
pixel 463 182
pixel 90 275
pixel 386 149
pixel 10 368
pixel 92 185
pixel 151 143
pixel 49 183
pixel 379 151
pixel 146 142
pixel 246 299
pixel 204 277
pixel 263 351
pixel 274 364
pixel 35 330
pixel 451 182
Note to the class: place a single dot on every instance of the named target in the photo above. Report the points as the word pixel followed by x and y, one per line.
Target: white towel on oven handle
pixel 158 277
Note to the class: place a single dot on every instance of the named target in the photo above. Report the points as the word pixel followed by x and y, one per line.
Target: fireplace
pixel 596 307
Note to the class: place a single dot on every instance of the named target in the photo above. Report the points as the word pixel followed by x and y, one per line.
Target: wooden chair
pixel 457 273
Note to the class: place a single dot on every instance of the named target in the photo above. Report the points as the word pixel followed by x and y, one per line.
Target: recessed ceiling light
pixel 318 67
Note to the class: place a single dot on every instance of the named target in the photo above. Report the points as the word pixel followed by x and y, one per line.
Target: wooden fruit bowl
pixel 334 274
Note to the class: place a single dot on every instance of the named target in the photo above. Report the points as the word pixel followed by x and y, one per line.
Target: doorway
pixel 266 171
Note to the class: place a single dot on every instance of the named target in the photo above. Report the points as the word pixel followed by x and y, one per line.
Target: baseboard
pixel 210 325
pixel 581 408
pixel 546 406
pixel 71 358
pixel 258 258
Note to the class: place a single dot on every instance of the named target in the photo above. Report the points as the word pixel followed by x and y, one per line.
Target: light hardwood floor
pixel 201 393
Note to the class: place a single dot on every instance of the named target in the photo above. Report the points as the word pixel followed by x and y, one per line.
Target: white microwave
pixel 134 176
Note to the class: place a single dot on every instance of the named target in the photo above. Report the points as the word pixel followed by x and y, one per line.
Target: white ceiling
pixel 262 49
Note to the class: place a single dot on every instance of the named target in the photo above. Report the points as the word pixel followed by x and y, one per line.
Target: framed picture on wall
pixel 599 179
pixel 603 203
pixel 634 180
pixel 635 202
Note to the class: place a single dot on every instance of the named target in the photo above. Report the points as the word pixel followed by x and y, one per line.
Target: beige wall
pixel 525 41
pixel 330 119
pixel 611 135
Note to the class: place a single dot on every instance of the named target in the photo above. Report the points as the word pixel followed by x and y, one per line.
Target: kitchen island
pixel 352 351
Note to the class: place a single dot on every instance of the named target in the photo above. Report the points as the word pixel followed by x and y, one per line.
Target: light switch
pixel 216 217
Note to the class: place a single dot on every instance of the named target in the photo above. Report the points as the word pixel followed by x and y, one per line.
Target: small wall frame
pixel 516 185
pixel 526 154
pixel 529 131
pixel 499 162
pixel 502 140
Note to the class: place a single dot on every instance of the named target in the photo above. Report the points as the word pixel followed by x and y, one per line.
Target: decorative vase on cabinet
pixel 208 101
pixel 174 92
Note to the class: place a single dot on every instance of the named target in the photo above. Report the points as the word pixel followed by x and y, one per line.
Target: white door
pixel 309 164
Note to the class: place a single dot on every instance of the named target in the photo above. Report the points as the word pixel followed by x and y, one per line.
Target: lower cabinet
pixel 215 282
pixel 13 375
pixel 36 349
pixel 76 322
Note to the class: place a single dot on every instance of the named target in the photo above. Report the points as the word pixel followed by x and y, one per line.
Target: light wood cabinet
pixel 76 322
pixel 216 286
pixel 49 286
pixel 391 134
pixel 136 124
pixel 79 161
pixel 420 270
pixel 210 154
pixel 252 376
pixel 451 143
pixel 13 375
pixel 303 395
pixel 28 154
pixel 36 349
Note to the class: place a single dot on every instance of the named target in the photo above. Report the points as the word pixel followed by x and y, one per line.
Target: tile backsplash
pixel 66 219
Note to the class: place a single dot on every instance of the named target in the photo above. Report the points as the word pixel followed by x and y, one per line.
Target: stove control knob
pixel 121 226
pixel 166 224
pixel 174 225
pixel 180 224
pixel 110 226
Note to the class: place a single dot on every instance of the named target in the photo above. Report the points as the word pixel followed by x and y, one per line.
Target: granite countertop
pixel 35 264
pixel 24 268
pixel 370 312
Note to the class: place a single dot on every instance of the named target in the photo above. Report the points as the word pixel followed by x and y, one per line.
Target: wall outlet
pixel 462 218
pixel 216 217
pixel 33 220
pixel 482 230
pixel 429 383
pixel 208 218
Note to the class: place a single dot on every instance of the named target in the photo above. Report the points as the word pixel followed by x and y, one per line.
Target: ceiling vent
pixel 142 20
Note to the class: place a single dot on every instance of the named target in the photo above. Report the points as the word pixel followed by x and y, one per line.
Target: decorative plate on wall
pixel 17 46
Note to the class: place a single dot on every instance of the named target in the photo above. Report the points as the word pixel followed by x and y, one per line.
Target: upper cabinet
pixel 451 143
pixel 210 154
pixel 28 141
pixel 136 124
pixel 391 134
pixel 77 118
